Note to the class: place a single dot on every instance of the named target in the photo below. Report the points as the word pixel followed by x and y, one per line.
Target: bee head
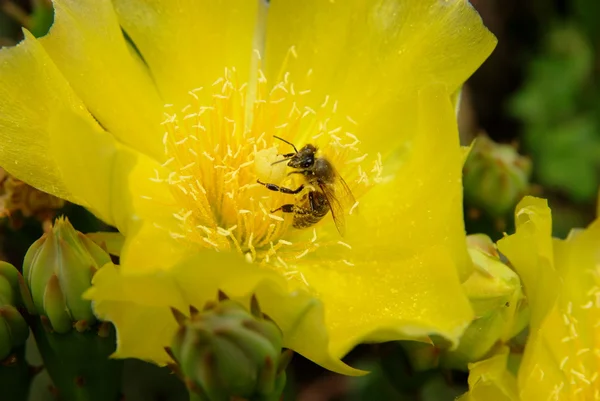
pixel 305 158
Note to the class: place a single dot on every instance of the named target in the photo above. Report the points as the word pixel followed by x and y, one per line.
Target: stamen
pixel 210 242
pixel 303 254
pixel 212 167
pixel 293 51
pixel 304 279
pixel 354 206
pixel 275 217
pixel 344 244
pixel 282 262
pixel 580 376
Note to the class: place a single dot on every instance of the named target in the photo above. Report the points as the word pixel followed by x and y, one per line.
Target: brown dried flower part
pixel 18 200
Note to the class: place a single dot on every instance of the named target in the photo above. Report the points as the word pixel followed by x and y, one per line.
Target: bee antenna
pixel 288 142
pixel 281 161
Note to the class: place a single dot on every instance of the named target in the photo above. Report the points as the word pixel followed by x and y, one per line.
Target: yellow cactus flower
pixel 562 283
pixel 165 133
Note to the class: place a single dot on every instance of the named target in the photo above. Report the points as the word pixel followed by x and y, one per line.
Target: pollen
pixel 217 150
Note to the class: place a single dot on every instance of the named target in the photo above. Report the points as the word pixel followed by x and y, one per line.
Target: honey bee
pixel 327 189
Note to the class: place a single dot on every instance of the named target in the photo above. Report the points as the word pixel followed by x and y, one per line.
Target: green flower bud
pixel 501 310
pixel 422 356
pixel 226 351
pixel 495 177
pixel 13 328
pixel 58 268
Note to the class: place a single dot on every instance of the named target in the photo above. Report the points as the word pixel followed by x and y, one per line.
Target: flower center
pixel 216 153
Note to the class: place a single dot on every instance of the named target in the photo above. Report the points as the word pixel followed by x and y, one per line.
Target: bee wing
pixel 343 193
pixel 339 197
pixel 337 211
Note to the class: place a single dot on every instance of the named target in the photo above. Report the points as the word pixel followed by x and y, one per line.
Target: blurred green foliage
pixel 35 15
pixel 559 106
pixel 41 18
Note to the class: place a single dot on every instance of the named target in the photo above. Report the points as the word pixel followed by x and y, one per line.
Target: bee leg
pixel 311 200
pixel 285 190
pixel 287 208
pixel 291 208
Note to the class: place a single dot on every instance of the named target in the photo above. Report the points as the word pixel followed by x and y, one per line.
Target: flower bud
pixel 496 296
pixel 226 351
pixel 422 356
pixel 13 328
pixel 58 268
pixel 495 177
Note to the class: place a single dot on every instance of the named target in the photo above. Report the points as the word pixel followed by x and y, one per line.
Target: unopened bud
pixel 226 351
pixel 13 328
pixel 495 177
pixel 58 268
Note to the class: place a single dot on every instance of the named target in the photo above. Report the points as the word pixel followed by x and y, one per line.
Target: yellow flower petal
pixel 87 45
pixel 149 247
pixel 33 91
pixel 156 324
pixel 387 299
pixel 188 43
pixel 136 301
pixel 137 305
pixel 562 358
pixel 421 206
pixel 110 241
pixel 490 381
pixel 298 314
pixel 562 282
pixel 531 253
pixel 373 55
pixel 114 180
